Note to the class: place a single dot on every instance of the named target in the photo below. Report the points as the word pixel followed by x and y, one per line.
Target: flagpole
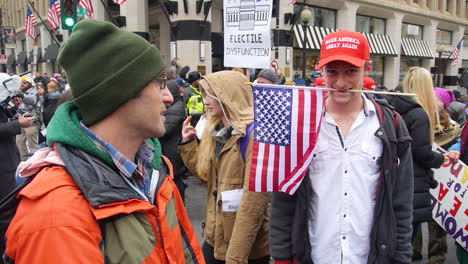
pixel 44 23
pixel 455 47
pixel 110 14
pixel 327 89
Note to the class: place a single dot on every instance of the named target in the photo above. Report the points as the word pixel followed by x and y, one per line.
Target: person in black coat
pixel 9 154
pixel 175 117
pixel 50 102
pixel 421 124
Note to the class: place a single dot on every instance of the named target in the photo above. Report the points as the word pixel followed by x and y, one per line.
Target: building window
pixel 406 63
pixel 412 31
pixel 321 17
pixel 443 37
pixel 367 24
pixel 377 72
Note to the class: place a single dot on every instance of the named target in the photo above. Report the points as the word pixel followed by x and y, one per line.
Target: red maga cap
pixel 344 45
pixel 319 82
pixel 368 83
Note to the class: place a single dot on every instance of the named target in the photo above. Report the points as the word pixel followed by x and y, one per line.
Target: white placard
pixel 450 199
pixel 247 33
pixel 231 199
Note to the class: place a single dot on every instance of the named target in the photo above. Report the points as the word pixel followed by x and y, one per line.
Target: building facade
pixel 402 33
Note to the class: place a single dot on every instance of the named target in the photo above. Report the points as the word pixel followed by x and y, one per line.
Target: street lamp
pixel 306 16
pixel 35 55
pixel 440 50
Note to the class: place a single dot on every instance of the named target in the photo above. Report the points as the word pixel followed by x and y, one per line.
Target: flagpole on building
pixel 109 13
pixel 31 5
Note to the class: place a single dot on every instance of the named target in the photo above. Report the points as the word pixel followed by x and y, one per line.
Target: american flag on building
pixel 88 4
pixel 29 23
pixel 287 123
pixel 456 53
pixel 120 2
pixel 292 2
pixel 53 15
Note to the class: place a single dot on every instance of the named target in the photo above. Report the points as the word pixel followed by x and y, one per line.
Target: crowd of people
pixel 107 183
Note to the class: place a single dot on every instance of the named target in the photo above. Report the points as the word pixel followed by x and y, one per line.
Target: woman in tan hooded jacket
pixel 235 232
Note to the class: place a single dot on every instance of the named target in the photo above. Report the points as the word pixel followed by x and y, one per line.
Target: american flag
pixel 120 2
pixel 456 53
pixel 287 123
pixel 53 15
pixel 292 2
pixel 29 23
pixel 88 4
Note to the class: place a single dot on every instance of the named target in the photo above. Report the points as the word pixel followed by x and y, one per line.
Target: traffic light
pixel 68 13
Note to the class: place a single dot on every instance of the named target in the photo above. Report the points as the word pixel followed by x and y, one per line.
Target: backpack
pixel 8 206
pixel 244 143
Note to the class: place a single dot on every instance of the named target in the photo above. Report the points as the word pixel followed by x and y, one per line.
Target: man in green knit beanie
pixel 101 192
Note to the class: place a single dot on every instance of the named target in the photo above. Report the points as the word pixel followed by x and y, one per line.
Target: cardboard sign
pixel 450 199
pixel 247 33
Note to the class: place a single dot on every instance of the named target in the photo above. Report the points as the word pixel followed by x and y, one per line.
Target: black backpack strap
pixel 8 206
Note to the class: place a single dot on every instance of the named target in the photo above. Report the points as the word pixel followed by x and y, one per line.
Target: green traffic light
pixel 69 21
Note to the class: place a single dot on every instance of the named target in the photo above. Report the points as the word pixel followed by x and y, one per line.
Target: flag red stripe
pixel 253 169
pixel 300 127
pixel 276 167
pixel 266 158
pixel 287 165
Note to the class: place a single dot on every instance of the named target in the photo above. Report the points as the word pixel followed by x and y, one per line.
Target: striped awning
pixel 379 44
pixel 416 48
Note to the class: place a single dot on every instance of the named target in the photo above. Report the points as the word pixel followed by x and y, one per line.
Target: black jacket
pixel 175 117
pixel 424 158
pixel 50 103
pixel 9 155
pixel 390 240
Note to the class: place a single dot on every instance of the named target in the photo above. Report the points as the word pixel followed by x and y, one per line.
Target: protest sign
pixel 450 199
pixel 9 37
pixel 247 33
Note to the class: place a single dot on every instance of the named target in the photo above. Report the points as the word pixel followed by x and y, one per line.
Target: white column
pixel 453 8
pixel 346 16
pixel 392 64
pixel 430 36
pixel 188 51
pixel 164 37
pixel 136 13
pixel 100 13
pixel 461 8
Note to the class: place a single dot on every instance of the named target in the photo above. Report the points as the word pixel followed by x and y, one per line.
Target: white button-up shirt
pixel 344 174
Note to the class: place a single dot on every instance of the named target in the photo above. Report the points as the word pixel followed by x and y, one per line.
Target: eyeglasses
pixel 162 82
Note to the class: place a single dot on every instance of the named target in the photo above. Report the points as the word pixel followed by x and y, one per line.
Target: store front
pixel 381 46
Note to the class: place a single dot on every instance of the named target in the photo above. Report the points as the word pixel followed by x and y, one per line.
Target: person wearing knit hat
pixel 267 76
pixel 193 98
pixel 330 218
pixel 445 95
pixel 112 197
pixel 29 102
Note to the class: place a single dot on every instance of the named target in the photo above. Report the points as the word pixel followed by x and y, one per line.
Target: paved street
pixel 195 200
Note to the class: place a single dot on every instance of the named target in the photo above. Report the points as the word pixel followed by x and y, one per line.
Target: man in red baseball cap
pixel 319 82
pixel 369 83
pixel 355 203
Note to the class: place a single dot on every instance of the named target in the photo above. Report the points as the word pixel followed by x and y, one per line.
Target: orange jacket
pixel 55 223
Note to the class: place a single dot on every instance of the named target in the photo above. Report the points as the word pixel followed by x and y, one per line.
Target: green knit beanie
pixel 107 66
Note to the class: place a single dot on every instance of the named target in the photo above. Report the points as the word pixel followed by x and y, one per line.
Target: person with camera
pixel 28 103
pixel 9 128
